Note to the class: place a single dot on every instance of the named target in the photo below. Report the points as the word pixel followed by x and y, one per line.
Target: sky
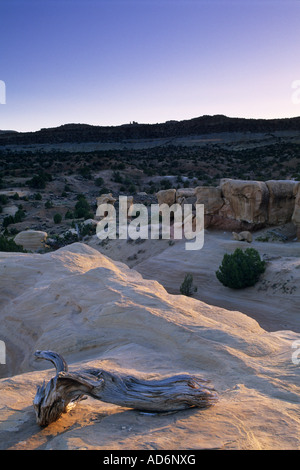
pixel 111 62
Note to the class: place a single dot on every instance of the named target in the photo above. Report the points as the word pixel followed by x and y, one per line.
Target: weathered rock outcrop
pixel 32 240
pixel 242 205
pixel 105 199
pixel 10 210
pixel 166 196
pixel 246 201
pixel 282 194
pixel 102 315
pixel 242 236
pixel 211 197
pixel 185 196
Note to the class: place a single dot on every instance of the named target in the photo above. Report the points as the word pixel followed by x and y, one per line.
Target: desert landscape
pixel 149 231
pixel 117 304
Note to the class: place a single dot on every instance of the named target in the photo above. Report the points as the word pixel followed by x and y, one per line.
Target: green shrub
pixel 82 208
pixel 88 229
pixel 241 268
pixel 3 199
pixel 48 204
pixel 9 219
pixel 99 181
pixel 116 176
pixel 85 172
pixel 57 218
pixel 39 181
pixel 104 190
pixel 69 215
pixel 7 244
pixel 187 287
pixel 19 216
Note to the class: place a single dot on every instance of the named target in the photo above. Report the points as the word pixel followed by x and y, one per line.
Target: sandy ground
pixel 100 312
pixel 274 301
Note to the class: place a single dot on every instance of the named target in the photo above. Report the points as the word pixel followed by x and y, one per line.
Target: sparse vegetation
pixel 48 204
pixel 241 269
pixel 82 208
pixel 57 218
pixel 39 181
pixel 8 244
pixel 18 217
pixel 187 287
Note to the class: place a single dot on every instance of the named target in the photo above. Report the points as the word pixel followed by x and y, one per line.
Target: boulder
pixel 90 222
pixel 282 195
pixel 246 201
pixel 31 240
pixel 105 199
pixel 211 197
pixel 129 203
pixel 242 236
pixel 166 196
pixel 186 195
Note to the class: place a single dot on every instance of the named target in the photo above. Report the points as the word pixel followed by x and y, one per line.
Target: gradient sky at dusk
pixel 109 62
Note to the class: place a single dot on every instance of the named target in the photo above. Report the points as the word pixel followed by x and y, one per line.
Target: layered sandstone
pixel 31 240
pixel 99 313
pixel 242 205
pixel 282 195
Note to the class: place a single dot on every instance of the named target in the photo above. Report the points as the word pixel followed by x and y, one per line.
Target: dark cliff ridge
pixel 75 133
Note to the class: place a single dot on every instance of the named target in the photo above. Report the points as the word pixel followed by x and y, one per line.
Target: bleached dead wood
pixel 66 388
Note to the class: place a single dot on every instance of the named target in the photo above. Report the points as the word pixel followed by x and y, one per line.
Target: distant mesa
pixel 74 133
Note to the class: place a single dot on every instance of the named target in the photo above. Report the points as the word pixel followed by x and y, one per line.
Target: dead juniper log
pixel 66 388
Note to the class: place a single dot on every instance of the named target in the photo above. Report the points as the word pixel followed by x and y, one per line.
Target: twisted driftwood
pixel 65 389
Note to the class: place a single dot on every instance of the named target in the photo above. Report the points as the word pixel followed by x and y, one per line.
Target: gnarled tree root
pixel 65 389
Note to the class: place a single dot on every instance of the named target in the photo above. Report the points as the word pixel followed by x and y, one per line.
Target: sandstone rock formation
pixel 129 204
pixel 211 197
pixel 247 200
pixel 185 196
pixel 99 313
pixel 105 199
pixel 10 210
pixel 282 194
pixel 242 236
pixel 166 196
pixel 32 240
pixel 90 222
pixel 241 205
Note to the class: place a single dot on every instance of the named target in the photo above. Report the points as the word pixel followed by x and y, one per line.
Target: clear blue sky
pixel 109 62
